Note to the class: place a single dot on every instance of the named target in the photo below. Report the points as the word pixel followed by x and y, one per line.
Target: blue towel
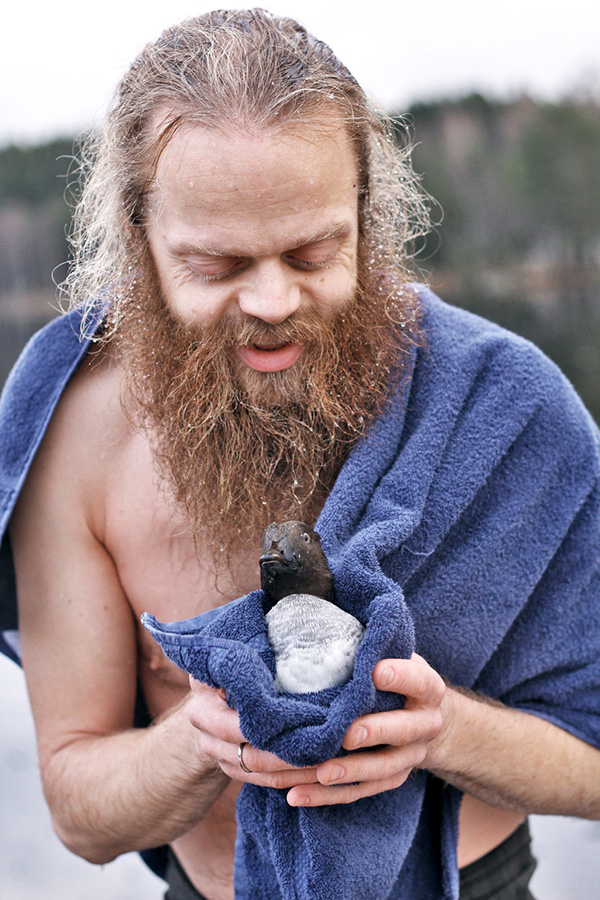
pixel 470 514
pixel 28 400
pixel 467 523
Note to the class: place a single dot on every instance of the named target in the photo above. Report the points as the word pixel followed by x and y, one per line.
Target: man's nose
pixel 271 292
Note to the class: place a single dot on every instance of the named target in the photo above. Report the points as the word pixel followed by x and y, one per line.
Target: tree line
pixel 518 184
pixel 515 186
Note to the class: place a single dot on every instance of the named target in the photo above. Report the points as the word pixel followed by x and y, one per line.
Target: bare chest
pixel 161 571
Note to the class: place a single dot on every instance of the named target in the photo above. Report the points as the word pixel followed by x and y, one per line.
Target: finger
pixel 209 712
pixel 380 765
pixel 412 677
pixel 282 779
pixel 398 727
pixel 199 689
pixel 224 724
pixel 321 795
pixel 259 761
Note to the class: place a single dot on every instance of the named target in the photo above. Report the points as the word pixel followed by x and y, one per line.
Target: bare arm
pixel 131 790
pixel 534 766
pixel 110 788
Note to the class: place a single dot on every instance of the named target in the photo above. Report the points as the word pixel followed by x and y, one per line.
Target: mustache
pixel 301 327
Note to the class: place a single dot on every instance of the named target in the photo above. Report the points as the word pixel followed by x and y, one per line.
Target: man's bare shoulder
pixel 91 408
pixel 86 434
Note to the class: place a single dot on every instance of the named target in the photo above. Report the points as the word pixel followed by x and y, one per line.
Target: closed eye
pixel 219 268
pixel 304 265
pixel 206 266
pixel 216 268
pixel 315 255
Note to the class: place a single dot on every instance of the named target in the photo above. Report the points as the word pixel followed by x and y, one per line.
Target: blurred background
pixel 502 102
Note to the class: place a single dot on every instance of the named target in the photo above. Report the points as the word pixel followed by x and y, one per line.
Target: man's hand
pixel 219 737
pixel 391 744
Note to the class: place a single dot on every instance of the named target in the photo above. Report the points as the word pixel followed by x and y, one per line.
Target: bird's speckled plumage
pixel 313 640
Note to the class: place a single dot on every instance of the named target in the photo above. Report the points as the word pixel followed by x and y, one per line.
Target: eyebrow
pixel 187 246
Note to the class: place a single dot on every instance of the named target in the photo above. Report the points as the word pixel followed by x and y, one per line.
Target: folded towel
pixel 468 519
pixel 228 647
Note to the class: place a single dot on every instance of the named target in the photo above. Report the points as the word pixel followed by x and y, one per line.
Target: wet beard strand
pixel 237 449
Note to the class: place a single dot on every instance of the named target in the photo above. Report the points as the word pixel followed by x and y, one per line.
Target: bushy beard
pixel 237 449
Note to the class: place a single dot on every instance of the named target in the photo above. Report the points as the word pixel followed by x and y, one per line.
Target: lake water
pixel 35 866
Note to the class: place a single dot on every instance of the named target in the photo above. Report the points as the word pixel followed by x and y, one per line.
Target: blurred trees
pixel 519 186
pixel 514 180
pixel 34 218
pixel 33 214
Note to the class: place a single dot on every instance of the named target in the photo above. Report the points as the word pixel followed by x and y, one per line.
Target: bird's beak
pixel 273 557
pixel 277 560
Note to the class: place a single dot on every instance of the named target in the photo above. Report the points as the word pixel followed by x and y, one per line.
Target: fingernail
pixel 299 801
pixel 335 773
pixel 359 735
pixel 387 676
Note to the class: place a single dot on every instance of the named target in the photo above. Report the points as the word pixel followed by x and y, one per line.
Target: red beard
pixel 237 448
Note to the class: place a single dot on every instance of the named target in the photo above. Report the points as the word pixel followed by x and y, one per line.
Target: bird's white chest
pixel 314 643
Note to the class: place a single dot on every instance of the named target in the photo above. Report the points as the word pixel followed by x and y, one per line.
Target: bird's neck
pixel 282 585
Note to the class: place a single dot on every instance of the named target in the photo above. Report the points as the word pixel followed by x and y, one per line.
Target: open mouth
pixel 268 348
pixel 269 357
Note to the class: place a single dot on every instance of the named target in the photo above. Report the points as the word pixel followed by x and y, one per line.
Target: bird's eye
pixel 306 537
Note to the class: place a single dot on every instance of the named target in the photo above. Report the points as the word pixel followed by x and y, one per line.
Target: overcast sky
pixel 60 60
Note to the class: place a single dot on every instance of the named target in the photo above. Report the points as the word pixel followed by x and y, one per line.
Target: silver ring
pixel 243 767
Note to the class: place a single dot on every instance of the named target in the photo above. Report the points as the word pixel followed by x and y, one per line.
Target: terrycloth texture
pixel 29 397
pixel 228 647
pixel 481 505
pixel 474 507
pixel 28 400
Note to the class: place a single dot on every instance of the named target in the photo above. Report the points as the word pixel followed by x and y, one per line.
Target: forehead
pixel 267 182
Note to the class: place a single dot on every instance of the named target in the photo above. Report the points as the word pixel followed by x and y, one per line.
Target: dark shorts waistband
pixel 502 874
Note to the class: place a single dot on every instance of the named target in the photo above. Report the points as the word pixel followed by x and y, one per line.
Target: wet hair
pixel 241 69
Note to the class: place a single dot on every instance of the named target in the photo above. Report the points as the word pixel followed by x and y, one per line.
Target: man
pixel 245 226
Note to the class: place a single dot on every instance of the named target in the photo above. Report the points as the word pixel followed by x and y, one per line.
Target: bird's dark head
pixel 293 562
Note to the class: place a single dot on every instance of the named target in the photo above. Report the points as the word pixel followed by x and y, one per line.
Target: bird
pixel 314 641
